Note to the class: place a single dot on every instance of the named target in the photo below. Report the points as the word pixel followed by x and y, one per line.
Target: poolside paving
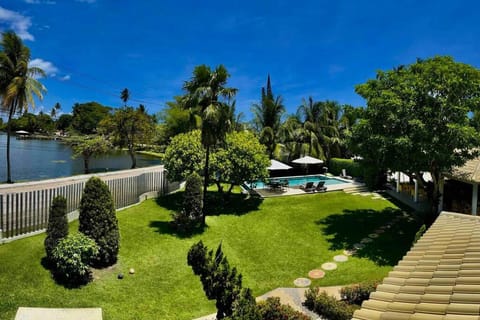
pixel 293 191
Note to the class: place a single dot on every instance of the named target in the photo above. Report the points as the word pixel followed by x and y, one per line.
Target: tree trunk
pixel 205 184
pixel 86 165
pixel 132 156
pixel 435 196
pixel 219 187
pixel 9 131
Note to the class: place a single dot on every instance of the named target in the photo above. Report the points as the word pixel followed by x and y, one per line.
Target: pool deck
pixel 295 191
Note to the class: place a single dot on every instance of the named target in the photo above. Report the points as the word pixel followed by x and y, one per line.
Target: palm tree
pixel 267 117
pixel 18 83
pixel 208 96
pixel 125 95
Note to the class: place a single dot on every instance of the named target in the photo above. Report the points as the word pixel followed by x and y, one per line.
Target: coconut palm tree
pixel 208 96
pixel 125 95
pixel 18 82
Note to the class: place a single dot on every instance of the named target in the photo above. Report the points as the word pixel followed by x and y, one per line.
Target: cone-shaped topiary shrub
pixel 98 221
pixel 191 214
pixel 57 228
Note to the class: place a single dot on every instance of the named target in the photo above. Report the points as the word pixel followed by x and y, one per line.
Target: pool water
pixel 299 180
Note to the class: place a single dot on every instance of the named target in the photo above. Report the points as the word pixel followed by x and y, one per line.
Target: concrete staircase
pixel 356 189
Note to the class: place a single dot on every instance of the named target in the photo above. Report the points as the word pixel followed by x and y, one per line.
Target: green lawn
pixel 270 242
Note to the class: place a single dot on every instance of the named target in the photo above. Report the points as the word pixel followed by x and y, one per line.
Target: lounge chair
pixel 321 187
pixel 344 175
pixel 308 187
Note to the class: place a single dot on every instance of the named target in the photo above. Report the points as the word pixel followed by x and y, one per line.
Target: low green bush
pixel 356 294
pixel 352 167
pixel 272 309
pixel 72 256
pixel 327 306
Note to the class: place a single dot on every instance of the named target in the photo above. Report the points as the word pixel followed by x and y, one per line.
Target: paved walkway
pixel 58 314
pixel 294 297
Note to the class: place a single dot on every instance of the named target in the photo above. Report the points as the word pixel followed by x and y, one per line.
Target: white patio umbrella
pixel 306 160
pixel 277 165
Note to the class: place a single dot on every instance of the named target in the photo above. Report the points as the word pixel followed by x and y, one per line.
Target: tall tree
pixel 127 128
pixel 125 96
pixel 90 147
pixel 417 119
pixel 267 117
pixel 18 82
pixel 208 95
pixel 87 116
pixel 54 112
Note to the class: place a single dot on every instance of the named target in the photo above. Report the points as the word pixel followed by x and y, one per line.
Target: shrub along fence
pixel 24 206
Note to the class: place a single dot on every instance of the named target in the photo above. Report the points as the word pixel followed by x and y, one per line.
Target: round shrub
pixel 72 256
pixel 57 228
pixel 98 221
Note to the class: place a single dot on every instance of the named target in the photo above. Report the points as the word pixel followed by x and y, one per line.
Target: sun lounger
pixel 308 187
pixel 344 175
pixel 321 187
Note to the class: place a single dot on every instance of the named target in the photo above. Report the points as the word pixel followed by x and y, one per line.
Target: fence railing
pixel 24 206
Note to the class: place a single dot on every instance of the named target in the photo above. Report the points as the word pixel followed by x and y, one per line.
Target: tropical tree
pixel 55 109
pixel 267 117
pixel 90 147
pixel 128 128
pixel 418 119
pixel 18 82
pixel 87 116
pixel 208 95
pixel 125 95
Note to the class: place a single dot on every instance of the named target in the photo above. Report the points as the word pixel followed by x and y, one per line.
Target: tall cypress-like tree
pixel 98 221
pixel 57 228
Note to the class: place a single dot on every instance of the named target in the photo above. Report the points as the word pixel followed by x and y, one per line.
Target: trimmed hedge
pixel 358 293
pixel 327 306
pixel 352 167
pixel 272 309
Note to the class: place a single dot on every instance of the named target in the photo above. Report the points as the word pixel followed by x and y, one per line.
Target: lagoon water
pixel 45 159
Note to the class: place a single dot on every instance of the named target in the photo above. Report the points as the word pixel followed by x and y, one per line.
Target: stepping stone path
pixel 366 240
pixel 316 274
pixel 359 246
pixel 329 266
pixel 340 258
pixel 302 282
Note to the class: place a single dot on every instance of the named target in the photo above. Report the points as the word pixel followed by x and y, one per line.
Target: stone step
pixel 356 189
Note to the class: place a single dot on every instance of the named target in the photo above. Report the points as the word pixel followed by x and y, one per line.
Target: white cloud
pixel 40 1
pixel 49 68
pixel 17 22
pixel 65 77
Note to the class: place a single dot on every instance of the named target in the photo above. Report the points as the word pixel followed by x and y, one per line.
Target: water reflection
pixel 44 159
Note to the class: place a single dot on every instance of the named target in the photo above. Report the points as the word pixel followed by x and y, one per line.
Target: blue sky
pixel 92 49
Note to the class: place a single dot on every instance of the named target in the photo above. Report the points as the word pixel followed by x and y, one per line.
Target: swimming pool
pixel 295 181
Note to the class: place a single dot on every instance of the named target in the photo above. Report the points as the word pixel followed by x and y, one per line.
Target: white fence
pixel 24 207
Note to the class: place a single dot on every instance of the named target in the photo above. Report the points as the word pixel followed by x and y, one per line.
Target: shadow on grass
pixel 344 230
pixel 166 227
pixel 217 204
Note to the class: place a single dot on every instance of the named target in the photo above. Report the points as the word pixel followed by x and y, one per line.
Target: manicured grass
pixel 270 242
